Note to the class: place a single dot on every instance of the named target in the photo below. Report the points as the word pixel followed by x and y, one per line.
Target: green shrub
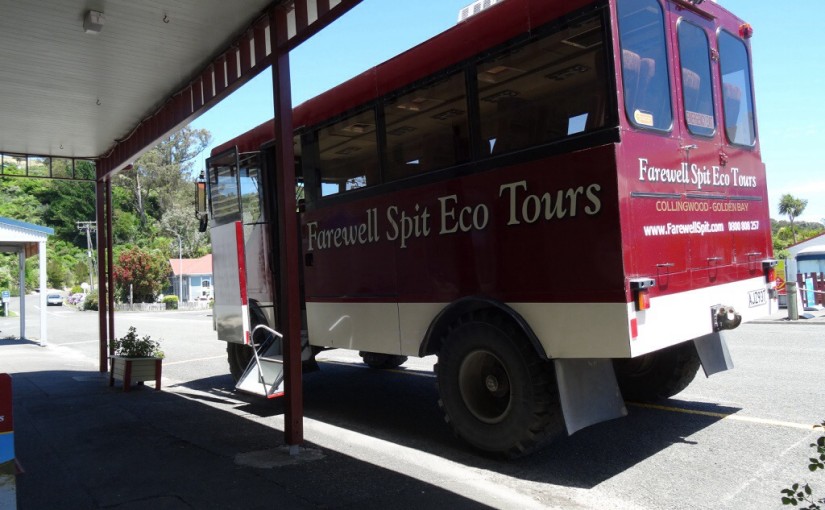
pixel 800 494
pixel 77 289
pixel 90 303
pixel 171 302
pixel 130 346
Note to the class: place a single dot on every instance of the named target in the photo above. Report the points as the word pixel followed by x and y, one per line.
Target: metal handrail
pixel 255 351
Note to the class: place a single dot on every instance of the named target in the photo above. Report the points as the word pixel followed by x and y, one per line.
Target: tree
pixel 69 202
pixel 181 220
pixel 17 201
pixel 146 272
pixel 793 208
pixel 162 176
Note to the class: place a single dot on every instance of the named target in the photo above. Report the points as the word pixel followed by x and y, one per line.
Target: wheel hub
pixel 492 383
pixel 485 386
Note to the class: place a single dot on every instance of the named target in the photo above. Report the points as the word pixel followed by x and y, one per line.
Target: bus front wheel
pixel 238 356
pixel 382 361
pixel 495 391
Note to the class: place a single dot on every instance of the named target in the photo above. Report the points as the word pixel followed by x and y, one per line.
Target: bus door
pixel 697 125
pixel 241 267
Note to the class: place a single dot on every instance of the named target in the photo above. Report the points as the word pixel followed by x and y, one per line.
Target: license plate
pixel 757 297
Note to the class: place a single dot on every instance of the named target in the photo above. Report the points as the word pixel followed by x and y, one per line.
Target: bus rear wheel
pixel 657 375
pixel 495 391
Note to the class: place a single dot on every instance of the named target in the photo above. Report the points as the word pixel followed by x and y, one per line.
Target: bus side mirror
pixel 204 223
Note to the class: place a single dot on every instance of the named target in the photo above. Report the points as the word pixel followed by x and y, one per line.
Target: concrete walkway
pixel 811 316
pixel 84 445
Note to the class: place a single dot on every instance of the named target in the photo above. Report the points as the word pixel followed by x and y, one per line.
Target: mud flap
pixel 588 392
pixel 713 353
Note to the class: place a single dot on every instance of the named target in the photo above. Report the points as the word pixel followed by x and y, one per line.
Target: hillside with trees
pixel 153 203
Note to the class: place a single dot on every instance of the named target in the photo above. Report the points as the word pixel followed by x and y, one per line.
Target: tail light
pixel 640 287
pixel 769 268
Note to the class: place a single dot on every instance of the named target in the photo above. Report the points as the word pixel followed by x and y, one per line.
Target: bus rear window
pixel 697 86
pixel 644 64
pixel 736 90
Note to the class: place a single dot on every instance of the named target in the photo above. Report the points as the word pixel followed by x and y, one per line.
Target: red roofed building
pixel 196 276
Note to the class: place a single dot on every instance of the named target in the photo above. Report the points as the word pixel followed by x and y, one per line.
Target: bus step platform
pixel 264 376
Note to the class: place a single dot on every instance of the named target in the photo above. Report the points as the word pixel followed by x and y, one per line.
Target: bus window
pixel 644 64
pixel 223 190
pixel 736 90
pixel 427 128
pixel 543 90
pixel 697 87
pixel 249 181
pixel 348 154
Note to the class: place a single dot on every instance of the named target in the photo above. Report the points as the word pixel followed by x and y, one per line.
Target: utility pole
pixel 89 227
pixel 180 266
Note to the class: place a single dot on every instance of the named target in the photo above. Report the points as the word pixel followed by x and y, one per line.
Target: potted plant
pixel 135 359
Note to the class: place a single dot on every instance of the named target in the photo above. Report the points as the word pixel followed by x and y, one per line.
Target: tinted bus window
pixel 347 154
pixel 543 90
pixel 427 128
pixel 644 64
pixel 697 86
pixel 736 90
pixel 250 193
pixel 223 190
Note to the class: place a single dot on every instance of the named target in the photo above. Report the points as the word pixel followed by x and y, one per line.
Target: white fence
pixel 159 307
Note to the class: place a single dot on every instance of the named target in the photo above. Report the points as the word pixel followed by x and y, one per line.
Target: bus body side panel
pixel 228 308
pixel 542 236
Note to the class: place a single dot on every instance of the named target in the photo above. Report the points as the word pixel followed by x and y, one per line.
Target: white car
pixel 54 299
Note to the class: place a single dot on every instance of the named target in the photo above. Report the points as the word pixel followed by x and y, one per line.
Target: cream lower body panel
pixel 360 326
pixel 565 330
pixel 687 315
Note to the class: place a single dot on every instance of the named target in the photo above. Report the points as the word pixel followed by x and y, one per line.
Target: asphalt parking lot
pixel 376 439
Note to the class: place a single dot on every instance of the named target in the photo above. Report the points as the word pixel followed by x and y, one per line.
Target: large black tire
pixel 382 361
pixel 238 356
pixel 495 391
pixel 657 375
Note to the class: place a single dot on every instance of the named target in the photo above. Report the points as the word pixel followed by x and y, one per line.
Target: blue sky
pixel 789 76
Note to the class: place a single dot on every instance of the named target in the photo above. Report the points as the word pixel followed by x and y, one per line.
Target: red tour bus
pixel 562 200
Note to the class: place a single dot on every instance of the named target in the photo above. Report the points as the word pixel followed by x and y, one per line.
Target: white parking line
pixel 167 363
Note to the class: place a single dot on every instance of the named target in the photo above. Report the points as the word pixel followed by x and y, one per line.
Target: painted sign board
pixel 781 277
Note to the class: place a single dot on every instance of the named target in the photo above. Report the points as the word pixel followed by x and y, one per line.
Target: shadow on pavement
pixel 401 408
pixel 84 445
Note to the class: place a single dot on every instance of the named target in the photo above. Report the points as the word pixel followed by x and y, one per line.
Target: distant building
pixel 807 256
pixel 806 265
pixel 196 276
